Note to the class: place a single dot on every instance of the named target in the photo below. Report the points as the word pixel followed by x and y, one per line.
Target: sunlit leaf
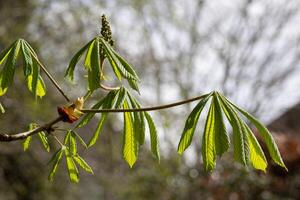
pixel 88 56
pixel 44 140
pixel 2 110
pixel 56 158
pixel 99 128
pixel 265 134
pixel 70 71
pixel 72 169
pixel 257 156
pixel 153 136
pixel 129 140
pixel 83 164
pixel 239 140
pixel 208 140
pixel 221 136
pixel 80 139
pixel 72 143
pixel 190 125
pixel 27 59
pixel 26 143
pixel 94 67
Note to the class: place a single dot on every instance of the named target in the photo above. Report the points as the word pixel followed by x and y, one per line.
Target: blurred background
pixel 247 49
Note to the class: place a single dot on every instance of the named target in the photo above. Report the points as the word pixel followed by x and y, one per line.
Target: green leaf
pixel 116 63
pixel 129 140
pixel 79 160
pixel 70 71
pixel 94 68
pixel 190 125
pixel 4 54
pixel 122 93
pixel 26 143
pixel 27 59
pixel 221 136
pixel 208 140
pixel 80 139
pixel 257 156
pixel 240 142
pixel 265 134
pixel 153 136
pixel 44 140
pixel 99 128
pixel 72 143
pixel 127 66
pixel 7 73
pixel 88 57
pixel 72 169
pixel 40 88
pixel 86 119
pixel 139 120
pixel 2 110
pixel 56 160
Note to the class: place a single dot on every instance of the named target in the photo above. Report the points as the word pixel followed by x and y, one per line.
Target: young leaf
pixel 27 59
pixel 257 156
pixel 80 139
pixel 44 140
pixel 83 164
pixel 72 143
pixel 208 140
pixel 190 125
pixel 88 56
pixel 265 134
pixel 94 68
pixel 70 71
pixel 99 128
pixel 153 136
pixel 26 143
pixel 239 142
pixel 2 110
pixel 116 63
pixel 139 120
pixel 72 169
pixel 221 137
pixel 129 140
pixel 4 54
pixel 7 73
pixel 56 160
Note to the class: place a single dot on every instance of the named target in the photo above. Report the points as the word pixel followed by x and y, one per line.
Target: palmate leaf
pixel 129 138
pixel 44 140
pixel 94 66
pixel 265 134
pixel 30 67
pixel 190 126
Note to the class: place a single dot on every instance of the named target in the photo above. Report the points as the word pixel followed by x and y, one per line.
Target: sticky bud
pixel 71 113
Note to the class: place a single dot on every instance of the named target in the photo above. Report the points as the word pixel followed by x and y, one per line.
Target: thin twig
pixel 58 140
pixel 152 108
pixel 51 78
pixel 108 88
pixel 23 135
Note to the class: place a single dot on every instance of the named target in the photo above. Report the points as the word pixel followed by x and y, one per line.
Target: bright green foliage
pixel 130 142
pixel 190 125
pixel 153 136
pixel 72 169
pixel 2 110
pixel 56 158
pixel 94 60
pixel 31 68
pixel 215 139
pixel 42 138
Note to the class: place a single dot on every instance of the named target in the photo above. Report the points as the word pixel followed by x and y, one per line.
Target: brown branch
pixel 152 108
pixel 48 127
pixel 23 135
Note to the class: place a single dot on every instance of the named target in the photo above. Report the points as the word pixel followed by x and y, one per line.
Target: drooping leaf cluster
pixel 96 51
pixel 21 49
pixel 215 138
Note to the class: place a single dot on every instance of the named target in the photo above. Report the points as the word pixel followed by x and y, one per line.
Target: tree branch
pixel 23 135
pixel 48 126
pixel 152 108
